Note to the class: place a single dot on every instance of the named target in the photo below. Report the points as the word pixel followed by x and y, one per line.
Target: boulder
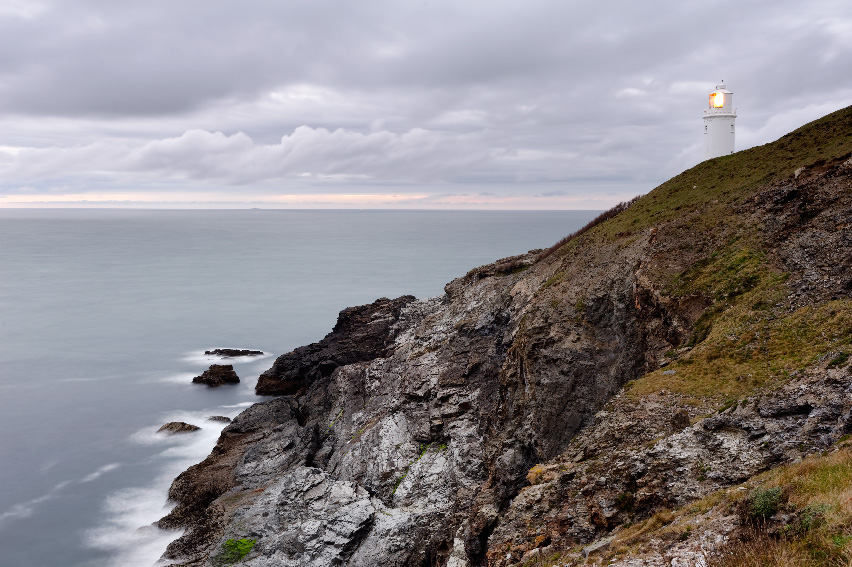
pixel 177 427
pixel 221 418
pixel 217 375
pixel 679 420
pixel 233 352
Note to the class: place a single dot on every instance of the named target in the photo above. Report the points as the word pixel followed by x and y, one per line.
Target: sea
pixel 105 315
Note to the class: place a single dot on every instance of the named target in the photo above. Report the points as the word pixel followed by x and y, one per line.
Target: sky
pixel 462 104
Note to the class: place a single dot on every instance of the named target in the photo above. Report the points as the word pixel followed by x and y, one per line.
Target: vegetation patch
pixel 234 550
pixel 816 525
pixel 603 217
pixel 422 449
pixel 795 515
pixel 745 350
pixel 553 280
pixel 762 504
pixel 704 194
pixel 839 360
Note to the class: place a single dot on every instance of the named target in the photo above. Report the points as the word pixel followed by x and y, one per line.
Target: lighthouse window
pixel 717 100
pixel 705 128
pixel 732 128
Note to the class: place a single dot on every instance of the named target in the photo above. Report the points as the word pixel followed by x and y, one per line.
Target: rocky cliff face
pixel 492 424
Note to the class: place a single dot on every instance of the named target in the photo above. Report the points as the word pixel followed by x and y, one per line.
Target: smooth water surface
pixel 105 315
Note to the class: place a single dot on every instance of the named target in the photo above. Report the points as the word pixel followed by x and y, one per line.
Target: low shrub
pixel 762 504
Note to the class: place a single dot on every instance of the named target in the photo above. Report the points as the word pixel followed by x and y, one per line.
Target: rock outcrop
pixel 221 418
pixel 233 352
pixel 687 343
pixel 361 334
pixel 173 427
pixel 218 375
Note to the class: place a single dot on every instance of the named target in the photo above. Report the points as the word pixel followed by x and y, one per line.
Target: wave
pixel 179 378
pixel 26 509
pixel 100 472
pixel 198 357
pixel 127 529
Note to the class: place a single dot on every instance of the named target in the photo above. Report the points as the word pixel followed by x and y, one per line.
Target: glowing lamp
pixel 719 123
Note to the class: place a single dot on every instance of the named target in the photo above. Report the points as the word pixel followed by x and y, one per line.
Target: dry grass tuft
pixel 604 216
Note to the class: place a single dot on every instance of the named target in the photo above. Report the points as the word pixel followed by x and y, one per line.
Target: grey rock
pixel 217 375
pixel 233 352
pixel 600 545
pixel 221 418
pixel 177 427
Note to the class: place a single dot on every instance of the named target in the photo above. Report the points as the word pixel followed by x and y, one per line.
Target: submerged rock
pixel 233 352
pixel 177 427
pixel 217 375
pixel 221 418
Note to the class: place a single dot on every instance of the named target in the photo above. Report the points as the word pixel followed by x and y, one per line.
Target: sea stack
pixel 217 375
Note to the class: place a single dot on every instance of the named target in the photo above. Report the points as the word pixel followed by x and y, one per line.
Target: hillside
pixel 666 383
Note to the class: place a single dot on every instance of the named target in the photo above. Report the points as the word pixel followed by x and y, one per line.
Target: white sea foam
pixel 179 378
pixel 127 529
pixel 27 508
pixel 22 510
pixel 100 472
pixel 240 405
pixel 198 357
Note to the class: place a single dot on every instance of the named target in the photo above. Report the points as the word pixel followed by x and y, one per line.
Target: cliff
pixel 588 394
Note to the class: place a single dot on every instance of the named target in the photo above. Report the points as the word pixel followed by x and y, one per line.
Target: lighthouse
pixel 719 123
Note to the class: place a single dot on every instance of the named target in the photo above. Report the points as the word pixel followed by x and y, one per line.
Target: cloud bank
pixel 488 104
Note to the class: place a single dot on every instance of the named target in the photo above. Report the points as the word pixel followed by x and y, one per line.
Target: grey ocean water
pixel 104 317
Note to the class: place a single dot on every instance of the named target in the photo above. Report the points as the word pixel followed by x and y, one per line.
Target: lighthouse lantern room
pixel 719 123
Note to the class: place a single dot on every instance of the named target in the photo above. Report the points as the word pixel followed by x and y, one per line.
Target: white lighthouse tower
pixel 719 123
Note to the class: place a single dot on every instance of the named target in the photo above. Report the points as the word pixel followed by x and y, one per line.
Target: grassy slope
pixel 814 494
pixel 748 338
pixel 706 192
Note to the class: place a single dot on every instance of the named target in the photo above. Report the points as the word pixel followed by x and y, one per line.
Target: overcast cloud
pixel 510 104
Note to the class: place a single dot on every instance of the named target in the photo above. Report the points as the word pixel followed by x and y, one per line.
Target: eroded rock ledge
pixel 361 334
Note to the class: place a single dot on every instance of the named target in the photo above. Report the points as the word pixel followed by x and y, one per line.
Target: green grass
pixel 745 350
pixel 817 500
pixel 702 197
pixel 710 187
pixel 763 503
pixel 234 550
pixel 814 495
pixel 744 339
pixel 839 360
